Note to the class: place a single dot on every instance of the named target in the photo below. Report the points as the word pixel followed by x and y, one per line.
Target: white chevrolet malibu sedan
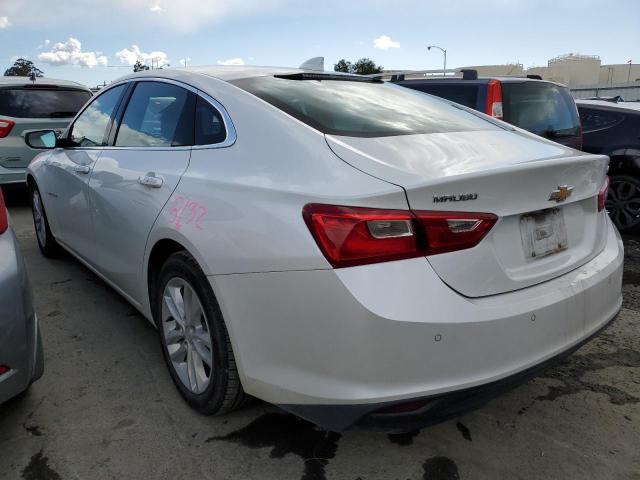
pixel 354 252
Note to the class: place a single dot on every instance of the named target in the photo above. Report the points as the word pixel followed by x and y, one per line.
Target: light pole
pixel 444 71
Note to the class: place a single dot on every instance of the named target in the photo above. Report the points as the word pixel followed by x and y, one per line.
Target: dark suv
pixel 542 107
pixel 613 129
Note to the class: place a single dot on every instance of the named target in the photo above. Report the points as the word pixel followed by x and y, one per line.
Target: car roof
pixel 635 106
pixel 21 81
pixel 222 72
pixel 226 73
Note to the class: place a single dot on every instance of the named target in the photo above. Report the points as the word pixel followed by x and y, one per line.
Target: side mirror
pixel 41 139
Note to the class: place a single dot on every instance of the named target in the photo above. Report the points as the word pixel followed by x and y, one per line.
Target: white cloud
pixel 70 53
pixel 185 61
pixel 384 42
pixel 156 8
pixel 4 22
pixel 231 61
pixel 130 57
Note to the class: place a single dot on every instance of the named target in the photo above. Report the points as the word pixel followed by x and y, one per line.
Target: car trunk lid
pixel 510 174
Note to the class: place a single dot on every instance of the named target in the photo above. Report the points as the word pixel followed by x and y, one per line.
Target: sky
pixel 98 41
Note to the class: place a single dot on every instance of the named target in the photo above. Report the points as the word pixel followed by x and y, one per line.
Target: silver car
pixel 21 357
pixel 32 105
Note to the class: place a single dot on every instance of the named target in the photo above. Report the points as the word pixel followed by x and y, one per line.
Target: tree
pixel 23 68
pixel 342 66
pixel 364 66
pixel 140 67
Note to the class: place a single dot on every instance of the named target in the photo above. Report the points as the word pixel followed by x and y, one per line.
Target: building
pixel 619 73
pixel 573 69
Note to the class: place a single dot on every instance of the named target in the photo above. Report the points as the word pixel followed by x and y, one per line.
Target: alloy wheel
pixel 187 335
pixel 623 204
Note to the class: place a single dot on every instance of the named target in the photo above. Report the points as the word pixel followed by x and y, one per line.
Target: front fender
pixel 37 173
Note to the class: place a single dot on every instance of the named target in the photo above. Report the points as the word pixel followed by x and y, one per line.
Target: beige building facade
pixel 574 70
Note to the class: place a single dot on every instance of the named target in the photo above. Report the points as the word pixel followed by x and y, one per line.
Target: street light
pixel 444 70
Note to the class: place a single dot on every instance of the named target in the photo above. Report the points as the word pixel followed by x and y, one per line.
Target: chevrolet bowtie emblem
pixel 561 194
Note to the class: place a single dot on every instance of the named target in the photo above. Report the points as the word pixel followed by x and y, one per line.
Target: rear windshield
pixel 25 103
pixel 361 109
pixel 542 108
pixel 466 95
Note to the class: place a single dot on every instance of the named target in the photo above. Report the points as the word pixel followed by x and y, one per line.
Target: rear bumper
pixel 20 343
pixel 334 345
pixel 437 408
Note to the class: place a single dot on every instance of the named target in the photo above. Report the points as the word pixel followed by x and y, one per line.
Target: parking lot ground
pixel 106 408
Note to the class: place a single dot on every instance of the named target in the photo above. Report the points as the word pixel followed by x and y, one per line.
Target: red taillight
pixel 5 127
pixel 351 236
pixel 493 106
pixel 4 221
pixel 602 194
pixel 4 369
pixel 451 231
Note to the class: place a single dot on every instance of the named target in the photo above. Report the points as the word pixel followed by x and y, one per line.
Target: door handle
pixel 84 169
pixel 150 180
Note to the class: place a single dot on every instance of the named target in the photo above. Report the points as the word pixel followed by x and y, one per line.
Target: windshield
pixel 542 108
pixel 361 109
pixel 26 103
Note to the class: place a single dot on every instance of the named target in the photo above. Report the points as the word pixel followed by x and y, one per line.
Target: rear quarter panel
pixel 239 209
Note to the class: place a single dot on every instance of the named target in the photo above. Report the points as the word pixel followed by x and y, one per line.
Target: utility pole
pixel 629 74
pixel 444 70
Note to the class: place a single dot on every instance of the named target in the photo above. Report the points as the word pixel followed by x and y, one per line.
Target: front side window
pixel 158 115
pixel 361 108
pixel 30 102
pixel 90 128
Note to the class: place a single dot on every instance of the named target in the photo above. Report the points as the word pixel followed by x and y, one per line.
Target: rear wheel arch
pixel 159 254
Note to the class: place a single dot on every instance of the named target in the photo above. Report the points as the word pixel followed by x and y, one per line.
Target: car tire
pixel 211 388
pixel 623 203
pixel 46 241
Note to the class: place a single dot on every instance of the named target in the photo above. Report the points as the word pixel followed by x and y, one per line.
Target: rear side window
pixel 157 115
pixel 598 119
pixel 466 95
pixel 90 128
pixel 37 103
pixel 359 108
pixel 542 108
pixel 209 124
